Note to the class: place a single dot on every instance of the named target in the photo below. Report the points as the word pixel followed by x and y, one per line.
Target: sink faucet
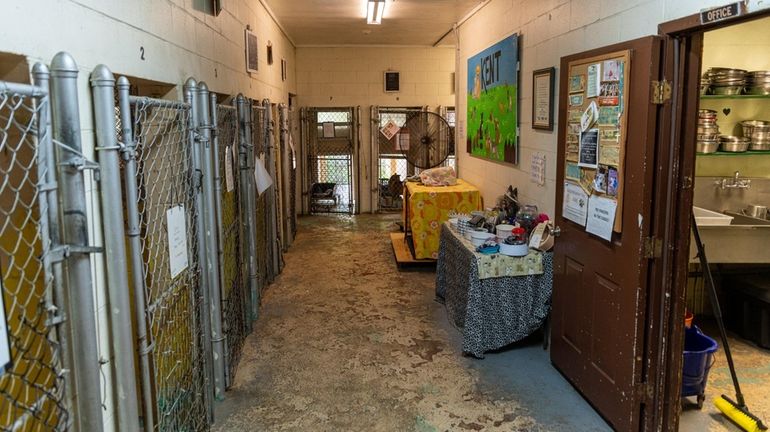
pixel 735 182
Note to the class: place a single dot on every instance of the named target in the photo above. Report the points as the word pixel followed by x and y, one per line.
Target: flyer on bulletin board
pixel 601 216
pixel 575 204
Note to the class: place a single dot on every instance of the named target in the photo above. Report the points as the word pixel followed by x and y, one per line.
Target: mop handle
pixel 715 304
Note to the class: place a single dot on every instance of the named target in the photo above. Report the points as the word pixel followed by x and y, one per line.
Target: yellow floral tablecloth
pixel 429 207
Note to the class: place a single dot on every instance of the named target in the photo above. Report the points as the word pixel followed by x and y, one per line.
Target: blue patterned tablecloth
pixel 492 312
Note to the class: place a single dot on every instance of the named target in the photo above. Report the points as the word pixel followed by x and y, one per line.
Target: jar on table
pixel 527 217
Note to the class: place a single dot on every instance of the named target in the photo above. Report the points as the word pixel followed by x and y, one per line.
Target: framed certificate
pixel 542 98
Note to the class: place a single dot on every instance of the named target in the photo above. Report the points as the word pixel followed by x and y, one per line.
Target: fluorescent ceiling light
pixel 374 11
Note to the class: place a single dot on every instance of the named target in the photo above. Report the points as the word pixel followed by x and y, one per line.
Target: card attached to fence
pixel 261 176
pixel 229 180
pixel 177 240
pixel 6 362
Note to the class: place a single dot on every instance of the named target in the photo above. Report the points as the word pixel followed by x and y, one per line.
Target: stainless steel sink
pixel 741 219
pixel 743 241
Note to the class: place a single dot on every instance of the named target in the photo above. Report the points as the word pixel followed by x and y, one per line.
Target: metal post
pixel 66 131
pixel 374 148
pixel 191 96
pixel 49 220
pixel 218 212
pixel 212 239
pixel 137 265
pixel 271 194
pixel 285 174
pixel 103 91
pixel 248 203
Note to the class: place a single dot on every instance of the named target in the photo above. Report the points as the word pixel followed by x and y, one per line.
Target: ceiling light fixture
pixel 374 11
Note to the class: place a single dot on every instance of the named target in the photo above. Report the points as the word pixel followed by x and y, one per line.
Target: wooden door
pixel 600 287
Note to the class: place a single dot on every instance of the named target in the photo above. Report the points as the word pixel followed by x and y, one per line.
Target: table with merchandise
pixel 495 299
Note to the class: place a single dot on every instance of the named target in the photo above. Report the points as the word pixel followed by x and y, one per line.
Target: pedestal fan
pixel 425 140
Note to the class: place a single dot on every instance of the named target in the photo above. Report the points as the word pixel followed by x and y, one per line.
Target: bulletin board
pixel 596 127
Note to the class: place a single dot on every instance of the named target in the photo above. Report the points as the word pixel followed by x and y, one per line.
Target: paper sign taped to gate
pixel 229 180
pixel 390 129
pixel 261 176
pixel 177 240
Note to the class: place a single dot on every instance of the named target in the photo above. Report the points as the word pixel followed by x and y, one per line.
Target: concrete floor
pixel 345 342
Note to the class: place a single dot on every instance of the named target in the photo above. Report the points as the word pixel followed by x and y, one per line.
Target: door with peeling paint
pixel 600 286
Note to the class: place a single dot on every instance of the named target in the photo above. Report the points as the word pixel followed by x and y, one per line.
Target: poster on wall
pixel 492 110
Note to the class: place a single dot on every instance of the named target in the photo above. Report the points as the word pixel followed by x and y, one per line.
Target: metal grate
pixel 258 134
pixel 32 390
pixel 330 161
pixel 165 179
pixel 235 297
pixel 391 161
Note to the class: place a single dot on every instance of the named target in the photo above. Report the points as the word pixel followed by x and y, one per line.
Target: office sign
pixel 722 13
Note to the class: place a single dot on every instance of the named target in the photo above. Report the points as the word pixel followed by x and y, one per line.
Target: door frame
pixel 683 47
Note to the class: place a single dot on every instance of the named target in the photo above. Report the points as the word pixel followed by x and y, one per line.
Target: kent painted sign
pixel 722 13
pixel 492 122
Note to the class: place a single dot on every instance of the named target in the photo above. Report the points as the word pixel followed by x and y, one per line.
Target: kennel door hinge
pixel 661 91
pixel 62 252
pixel 653 247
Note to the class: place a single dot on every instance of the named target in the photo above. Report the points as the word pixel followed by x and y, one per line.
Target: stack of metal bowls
pixel 726 81
pixel 708 132
pixel 758 133
pixel 733 144
pixel 758 83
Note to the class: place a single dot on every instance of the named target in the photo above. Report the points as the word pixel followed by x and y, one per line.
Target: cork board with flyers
pixel 596 127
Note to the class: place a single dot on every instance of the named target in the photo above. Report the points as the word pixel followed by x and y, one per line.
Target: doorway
pixel 726 182
pixel 330 145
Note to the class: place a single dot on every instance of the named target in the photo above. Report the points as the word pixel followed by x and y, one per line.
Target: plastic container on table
pixel 699 352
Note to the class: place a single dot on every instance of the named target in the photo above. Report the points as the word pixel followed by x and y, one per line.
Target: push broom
pixel 735 410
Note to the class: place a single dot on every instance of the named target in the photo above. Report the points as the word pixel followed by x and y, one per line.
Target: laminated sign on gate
pixel 177 240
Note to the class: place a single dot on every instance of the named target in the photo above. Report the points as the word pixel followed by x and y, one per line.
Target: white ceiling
pixel 343 22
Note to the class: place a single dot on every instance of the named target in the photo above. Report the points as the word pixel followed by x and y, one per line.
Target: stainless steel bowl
pixel 734 144
pixel 759 146
pixel 727 90
pixel 758 91
pixel 708 137
pixel 706 146
pixel 750 127
pixel 703 130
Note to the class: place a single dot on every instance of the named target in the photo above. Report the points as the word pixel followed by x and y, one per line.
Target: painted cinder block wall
pixel 178 41
pixel 549 29
pixel 353 76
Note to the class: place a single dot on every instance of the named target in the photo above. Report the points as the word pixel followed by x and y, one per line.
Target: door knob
pixel 556 231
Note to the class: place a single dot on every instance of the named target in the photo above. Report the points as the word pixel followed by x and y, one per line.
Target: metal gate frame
pixel 34 388
pixel 311 144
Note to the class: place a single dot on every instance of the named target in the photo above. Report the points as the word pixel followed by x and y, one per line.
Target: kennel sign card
pixel 177 240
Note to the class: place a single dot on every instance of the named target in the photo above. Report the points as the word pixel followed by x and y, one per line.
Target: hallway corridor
pixel 347 343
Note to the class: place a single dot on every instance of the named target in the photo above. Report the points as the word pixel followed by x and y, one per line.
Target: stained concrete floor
pixel 345 342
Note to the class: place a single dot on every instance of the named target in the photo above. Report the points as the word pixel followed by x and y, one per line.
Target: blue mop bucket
pixel 699 352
